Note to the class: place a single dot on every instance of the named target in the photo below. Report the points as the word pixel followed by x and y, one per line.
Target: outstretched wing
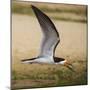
pixel 50 34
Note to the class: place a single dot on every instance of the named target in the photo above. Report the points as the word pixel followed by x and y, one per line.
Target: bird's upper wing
pixel 50 34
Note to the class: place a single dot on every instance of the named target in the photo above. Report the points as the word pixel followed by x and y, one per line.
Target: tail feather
pixel 32 60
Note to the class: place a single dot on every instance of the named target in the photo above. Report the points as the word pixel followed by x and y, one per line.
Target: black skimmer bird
pixel 49 42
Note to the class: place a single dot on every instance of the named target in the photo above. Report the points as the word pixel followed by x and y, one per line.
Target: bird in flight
pixel 49 42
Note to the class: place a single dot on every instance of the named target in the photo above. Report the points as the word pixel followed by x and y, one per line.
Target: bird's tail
pixel 30 61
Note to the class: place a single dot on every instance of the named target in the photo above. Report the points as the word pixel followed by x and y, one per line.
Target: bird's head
pixel 67 64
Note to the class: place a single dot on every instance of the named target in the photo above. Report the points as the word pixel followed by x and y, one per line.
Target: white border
pixel 5 46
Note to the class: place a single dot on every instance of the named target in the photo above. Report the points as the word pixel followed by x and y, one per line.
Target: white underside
pixel 45 60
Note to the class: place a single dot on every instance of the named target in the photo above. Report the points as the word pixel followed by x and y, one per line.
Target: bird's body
pixel 41 60
pixel 45 60
pixel 49 42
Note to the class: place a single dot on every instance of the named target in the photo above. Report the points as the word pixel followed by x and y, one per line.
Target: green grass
pixel 56 77
pixel 37 75
pixel 26 9
pixel 20 8
pixel 62 10
pixel 17 8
